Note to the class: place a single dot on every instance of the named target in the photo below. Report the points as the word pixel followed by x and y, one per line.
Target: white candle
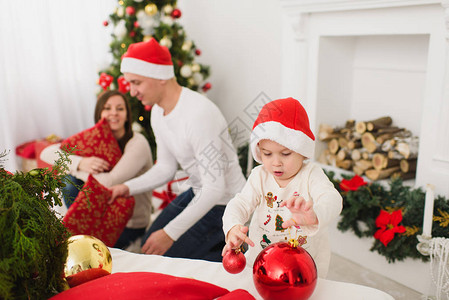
pixel 428 211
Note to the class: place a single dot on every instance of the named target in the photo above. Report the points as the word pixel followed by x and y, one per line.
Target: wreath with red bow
pixel 390 213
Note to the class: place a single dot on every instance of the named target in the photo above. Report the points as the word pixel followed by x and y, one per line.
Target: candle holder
pixel 438 250
pixel 423 245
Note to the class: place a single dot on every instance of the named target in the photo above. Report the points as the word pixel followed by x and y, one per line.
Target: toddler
pixel 287 195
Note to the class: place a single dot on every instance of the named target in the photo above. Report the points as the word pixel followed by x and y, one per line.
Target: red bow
pixel 105 80
pixel 168 195
pixel 388 225
pixel 123 85
pixel 353 184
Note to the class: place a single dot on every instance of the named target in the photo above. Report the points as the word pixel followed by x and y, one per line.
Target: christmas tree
pixel 136 21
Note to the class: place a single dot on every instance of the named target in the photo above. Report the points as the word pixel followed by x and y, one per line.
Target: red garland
pixel 388 226
pixel 105 80
pixel 123 85
pixel 353 184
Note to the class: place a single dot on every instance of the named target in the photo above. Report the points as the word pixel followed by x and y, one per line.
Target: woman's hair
pixel 101 101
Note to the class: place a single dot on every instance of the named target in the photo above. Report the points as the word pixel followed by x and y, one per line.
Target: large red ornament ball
pixel 284 271
pixel 234 261
pixel 105 23
pixel 176 13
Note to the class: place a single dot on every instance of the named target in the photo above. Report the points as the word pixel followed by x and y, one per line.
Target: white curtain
pixel 50 55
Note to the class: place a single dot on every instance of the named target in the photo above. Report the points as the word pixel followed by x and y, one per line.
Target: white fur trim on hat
pixel 294 140
pixel 147 69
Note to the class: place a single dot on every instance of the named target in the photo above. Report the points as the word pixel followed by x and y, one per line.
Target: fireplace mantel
pixel 308 23
pixel 313 6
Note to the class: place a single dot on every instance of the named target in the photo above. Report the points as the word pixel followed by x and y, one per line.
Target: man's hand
pixel 302 212
pixel 117 191
pixel 157 243
pixel 236 237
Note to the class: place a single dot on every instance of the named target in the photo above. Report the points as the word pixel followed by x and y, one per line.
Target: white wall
pixel 241 42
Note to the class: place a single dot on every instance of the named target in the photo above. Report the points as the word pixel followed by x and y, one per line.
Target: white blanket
pixel 212 272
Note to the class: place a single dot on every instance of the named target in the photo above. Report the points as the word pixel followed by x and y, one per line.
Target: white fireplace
pixel 370 58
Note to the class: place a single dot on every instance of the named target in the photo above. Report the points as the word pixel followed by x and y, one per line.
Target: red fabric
pixel 95 141
pixel 168 195
pixel 149 286
pixel 95 217
pixel 39 146
pixel 27 150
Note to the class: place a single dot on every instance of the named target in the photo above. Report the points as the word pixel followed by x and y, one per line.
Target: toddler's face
pixel 280 161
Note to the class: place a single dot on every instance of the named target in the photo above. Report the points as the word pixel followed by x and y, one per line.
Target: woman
pixel 136 159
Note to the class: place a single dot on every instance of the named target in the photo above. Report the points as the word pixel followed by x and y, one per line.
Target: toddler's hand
pixel 302 212
pixel 236 237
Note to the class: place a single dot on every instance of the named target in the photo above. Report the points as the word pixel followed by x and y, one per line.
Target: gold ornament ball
pixel 196 68
pixel 186 46
pixel 167 9
pixel 151 9
pixel 165 41
pixel 191 81
pixel 88 258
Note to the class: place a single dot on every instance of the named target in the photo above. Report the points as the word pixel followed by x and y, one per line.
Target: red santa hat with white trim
pixel 148 59
pixel 285 122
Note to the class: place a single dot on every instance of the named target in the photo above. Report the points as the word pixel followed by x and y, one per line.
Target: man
pixel 191 132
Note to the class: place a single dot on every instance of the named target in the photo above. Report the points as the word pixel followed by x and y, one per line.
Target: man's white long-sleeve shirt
pixel 194 135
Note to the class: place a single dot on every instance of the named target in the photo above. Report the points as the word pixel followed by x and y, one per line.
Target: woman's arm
pixel 50 155
pixel 136 155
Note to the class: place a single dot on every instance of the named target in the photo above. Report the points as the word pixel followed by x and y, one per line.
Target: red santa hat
pixel 285 122
pixel 148 59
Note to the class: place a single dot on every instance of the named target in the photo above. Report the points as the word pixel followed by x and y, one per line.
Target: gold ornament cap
pixel 293 243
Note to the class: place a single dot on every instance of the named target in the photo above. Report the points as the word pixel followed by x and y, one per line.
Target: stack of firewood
pixel 374 148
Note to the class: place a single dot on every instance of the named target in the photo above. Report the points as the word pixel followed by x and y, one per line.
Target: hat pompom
pixel 285 122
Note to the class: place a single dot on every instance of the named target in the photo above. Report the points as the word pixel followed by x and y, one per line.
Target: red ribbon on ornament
pixel 168 195
pixel 105 80
pixel 123 85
